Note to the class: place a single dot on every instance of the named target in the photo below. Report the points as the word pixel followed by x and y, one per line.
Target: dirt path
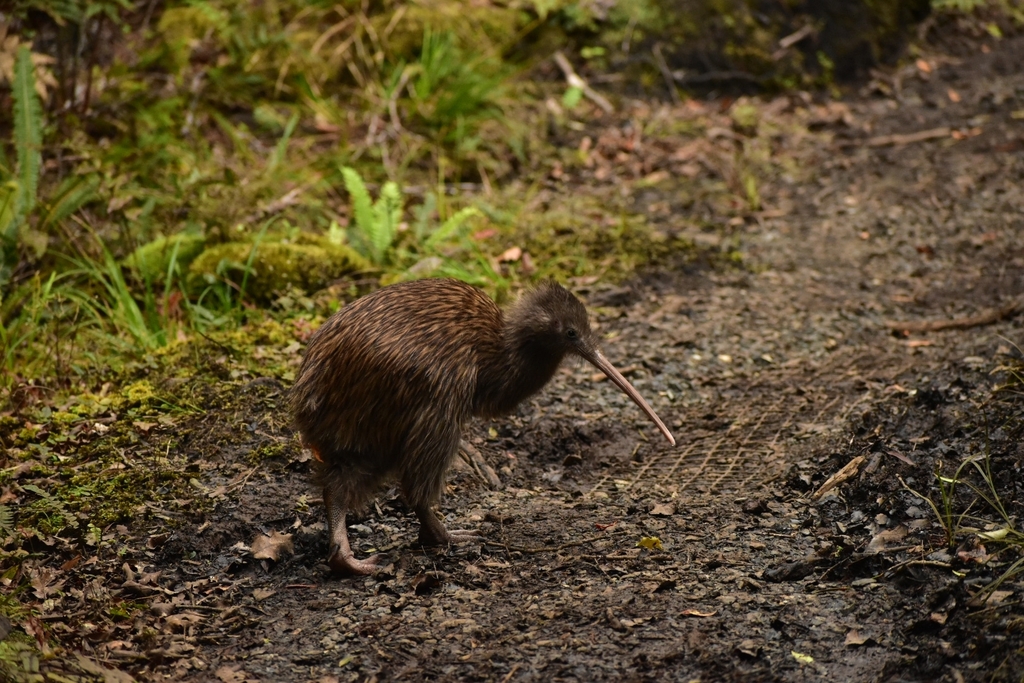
pixel 773 376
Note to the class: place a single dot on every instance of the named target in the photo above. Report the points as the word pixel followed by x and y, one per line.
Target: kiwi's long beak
pixel 597 359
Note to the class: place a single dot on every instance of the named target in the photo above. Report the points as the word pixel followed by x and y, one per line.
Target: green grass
pixel 969 505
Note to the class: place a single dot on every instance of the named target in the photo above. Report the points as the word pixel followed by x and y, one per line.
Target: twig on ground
pixel 899 139
pixel 986 318
pixel 848 471
pixel 666 73
pixel 575 81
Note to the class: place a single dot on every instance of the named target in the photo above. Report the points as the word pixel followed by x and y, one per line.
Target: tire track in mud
pixel 765 428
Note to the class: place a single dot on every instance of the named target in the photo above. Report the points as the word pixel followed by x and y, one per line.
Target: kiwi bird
pixel 389 381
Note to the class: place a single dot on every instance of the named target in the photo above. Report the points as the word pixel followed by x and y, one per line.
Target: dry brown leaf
pixel 71 564
pixel 997 597
pixel 44 582
pixel 179 622
pixel 231 674
pixel 663 510
pixel 272 547
pixel 696 613
pixel 880 541
pixel 854 638
pixel 262 594
pixel 108 675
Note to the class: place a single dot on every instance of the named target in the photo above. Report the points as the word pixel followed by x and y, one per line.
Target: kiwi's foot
pixel 346 562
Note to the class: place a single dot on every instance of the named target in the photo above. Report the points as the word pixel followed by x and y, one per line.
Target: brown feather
pixel 389 381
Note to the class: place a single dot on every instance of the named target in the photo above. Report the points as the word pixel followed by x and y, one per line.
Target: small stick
pixel 666 73
pixel 575 81
pixel 511 672
pixel 908 138
pixel 987 318
pixel 848 472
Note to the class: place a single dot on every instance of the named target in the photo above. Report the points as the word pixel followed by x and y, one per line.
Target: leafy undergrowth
pixel 86 473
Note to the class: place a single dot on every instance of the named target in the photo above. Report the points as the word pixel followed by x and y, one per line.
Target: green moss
pixel 745 117
pixel 139 393
pixel 152 261
pixel 266 332
pixel 88 404
pixel 582 236
pixel 63 418
pixel 274 266
pixel 480 27
pixel 182 28
pixel 267 452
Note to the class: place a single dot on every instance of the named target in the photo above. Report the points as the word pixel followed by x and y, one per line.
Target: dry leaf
pixel 997 597
pixel 179 622
pixel 880 541
pixel 663 510
pixel 854 638
pixel 262 594
pixel 425 582
pixel 802 658
pixel 231 674
pixel 108 675
pixel 696 613
pixel 71 564
pixel 272 547
pixel 156 540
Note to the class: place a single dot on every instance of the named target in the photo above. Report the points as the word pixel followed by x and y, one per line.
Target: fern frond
pixel 387 214
pixel 6 519
pixel 73 194
pixel 451 227
pixel 9 224
pixel 28 129
pixel 9 193
pixel 423 214
pixel 361 226
pixel 335 234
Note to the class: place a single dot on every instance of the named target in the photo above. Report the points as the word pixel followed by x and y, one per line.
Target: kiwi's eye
pixel 571 333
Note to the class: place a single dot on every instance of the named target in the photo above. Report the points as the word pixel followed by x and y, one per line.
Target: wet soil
pixel 774 373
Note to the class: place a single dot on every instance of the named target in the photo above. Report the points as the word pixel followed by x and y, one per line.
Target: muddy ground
pixel 775 371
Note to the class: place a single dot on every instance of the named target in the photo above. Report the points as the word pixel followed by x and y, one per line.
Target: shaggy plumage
pixel 389 381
